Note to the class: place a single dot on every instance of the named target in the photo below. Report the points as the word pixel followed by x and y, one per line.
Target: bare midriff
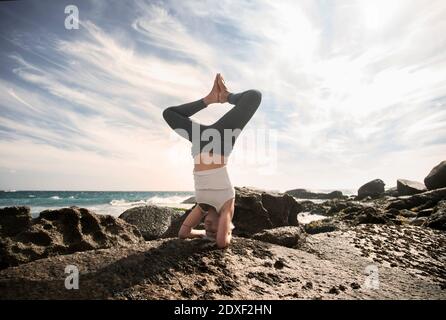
pixel 208 161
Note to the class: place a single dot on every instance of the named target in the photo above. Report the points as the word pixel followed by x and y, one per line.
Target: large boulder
pixel 437 177
pixel 259 210
pixel 408 187
pixel 305 194
pixel 58 232
pixel 151 220
pixel 372 188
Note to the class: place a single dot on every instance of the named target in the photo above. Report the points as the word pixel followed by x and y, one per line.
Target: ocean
pixel 101 202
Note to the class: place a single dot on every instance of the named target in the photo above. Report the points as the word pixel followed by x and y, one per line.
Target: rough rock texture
pixel 408 187
pixel 152 221
pixel 372 188
pixel 305 194
pixel 365 262
pixel 291 237
pixel 437 177
pixel 437 220
pixel 56 232
pixel 320 226
pixel 420 201
pixel 256 211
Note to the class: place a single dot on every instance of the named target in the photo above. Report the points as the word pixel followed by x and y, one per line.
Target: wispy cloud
pixel 354 89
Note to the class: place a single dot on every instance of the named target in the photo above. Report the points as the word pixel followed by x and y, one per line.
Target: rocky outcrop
pixel 58 232
pixel 365 262
pixel 408 187
pixel 437 177
pixel 305 194
pixel 372 188
pixel 152 221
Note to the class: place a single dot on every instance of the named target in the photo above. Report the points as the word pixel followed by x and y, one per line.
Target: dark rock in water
pixel 290 237
pixel 408 187
pixel 437 177
pixel 320 226
pixel 152 221
pixel 372 188
pixel 190 200
pixel 437 220
pixel 409 259
pixel 256 211
pixel 305 194
pixel 58 232
pixel 421 201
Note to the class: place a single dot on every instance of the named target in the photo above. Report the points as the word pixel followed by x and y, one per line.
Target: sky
pixel 352 91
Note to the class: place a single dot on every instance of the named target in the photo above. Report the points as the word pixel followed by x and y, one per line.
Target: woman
pixel 211 147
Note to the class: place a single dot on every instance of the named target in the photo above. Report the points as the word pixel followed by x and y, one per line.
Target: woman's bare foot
pixel 223 92
pixel 213 96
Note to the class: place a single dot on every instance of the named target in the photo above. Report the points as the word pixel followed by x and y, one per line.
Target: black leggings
pixel 219 137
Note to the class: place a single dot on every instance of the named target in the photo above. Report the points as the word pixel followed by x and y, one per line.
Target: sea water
pixel 101 202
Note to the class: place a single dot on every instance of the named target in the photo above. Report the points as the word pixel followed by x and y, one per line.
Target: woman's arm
pixel 225 226
pixel 192 220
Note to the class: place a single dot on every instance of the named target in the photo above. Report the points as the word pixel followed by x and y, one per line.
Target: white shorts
pixel 213 187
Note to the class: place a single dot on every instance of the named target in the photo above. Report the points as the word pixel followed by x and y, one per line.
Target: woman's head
pixel 210 220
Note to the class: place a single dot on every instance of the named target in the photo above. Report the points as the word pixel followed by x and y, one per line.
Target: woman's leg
pixel 178 117
pixel 246 104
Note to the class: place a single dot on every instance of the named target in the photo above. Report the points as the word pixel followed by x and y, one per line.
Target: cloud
pixel 351 88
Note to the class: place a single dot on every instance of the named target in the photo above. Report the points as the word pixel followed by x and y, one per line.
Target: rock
pixel 256 211
pixel 408 187
pixel 14 220
pixel 370 215
pixel 437 220
pixel 190 200
pixel 437 177
pixel 313 208
pixel 320 226
pixel 418 221
pixel 151 220
pixel 247 270
pixel 290 237
pixel 372 189
pixel 305 194
pixel 392 192
pixel 58 232
pixel 407 213
pixel 421 201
